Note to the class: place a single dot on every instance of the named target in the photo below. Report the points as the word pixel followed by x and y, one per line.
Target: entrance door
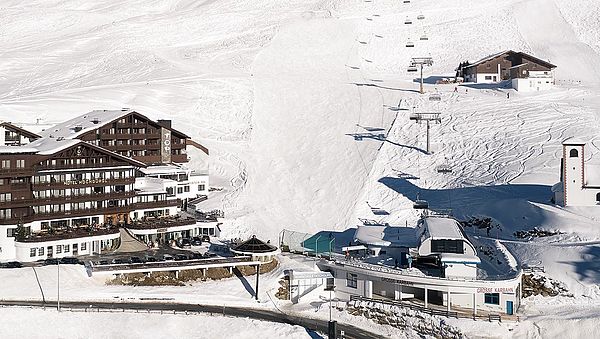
pixel 509 307
pixel 75 249
pixel 49 251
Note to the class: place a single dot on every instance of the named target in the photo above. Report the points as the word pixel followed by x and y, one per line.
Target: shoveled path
pixel 351 332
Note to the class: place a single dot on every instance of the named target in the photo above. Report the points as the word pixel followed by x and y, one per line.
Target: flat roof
pixel 381 235
pixel 442 228
pixel 459 258
pixel 164 169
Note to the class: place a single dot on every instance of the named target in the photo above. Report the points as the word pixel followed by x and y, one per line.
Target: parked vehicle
pixel 151 259
pixel 103 262
pixel 70 261
pixel 206 238
pixel 136 260
pixel 180 257
pixel 196 241
pixel 50 261
pixel 209 255
pixel 117 261
pixel 167 257
pixel 186 243
pixel 196 255
pixel 12 264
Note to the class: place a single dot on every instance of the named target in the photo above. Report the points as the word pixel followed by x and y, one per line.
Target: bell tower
pixel 573 172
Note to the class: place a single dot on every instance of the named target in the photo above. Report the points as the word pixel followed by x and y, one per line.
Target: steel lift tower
pixel 427 61
pixel 427 117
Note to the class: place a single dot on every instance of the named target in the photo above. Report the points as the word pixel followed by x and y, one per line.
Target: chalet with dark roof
pixel 525 72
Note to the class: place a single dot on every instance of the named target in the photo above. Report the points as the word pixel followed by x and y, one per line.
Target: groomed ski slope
pixel 278 91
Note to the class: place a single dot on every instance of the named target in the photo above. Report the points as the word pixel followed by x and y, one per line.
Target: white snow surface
pixel 290 96
pixel 41 323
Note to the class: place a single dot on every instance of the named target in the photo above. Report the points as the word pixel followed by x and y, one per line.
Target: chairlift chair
pixel 435 97
pixel 406 1
pixel 412 69
pixel 424 37
pixel 444 168
pixel 420 204
pixel 408 21
pixel 420 17
pixel 410 44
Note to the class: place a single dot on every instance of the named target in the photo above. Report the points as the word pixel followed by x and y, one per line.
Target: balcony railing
pixel 72 233
pixel 164 222
pixel 69 199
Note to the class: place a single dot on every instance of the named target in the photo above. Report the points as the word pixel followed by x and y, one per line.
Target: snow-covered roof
pixel 442 228
pixel 380 235
pixel 574 141
pixel 75 127
pixel 164 169
pixel 487 58
pixel 42 146
pixel 147 185
pixel 459 258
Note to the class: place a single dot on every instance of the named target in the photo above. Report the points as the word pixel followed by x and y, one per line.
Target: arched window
pixel 573 153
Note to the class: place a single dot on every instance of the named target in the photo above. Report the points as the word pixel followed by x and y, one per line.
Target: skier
pixel 455 89
pixel 507 95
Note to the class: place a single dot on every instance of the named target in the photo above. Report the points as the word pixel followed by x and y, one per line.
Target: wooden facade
pixel 509 65
pixel 136 136
pixel 28 180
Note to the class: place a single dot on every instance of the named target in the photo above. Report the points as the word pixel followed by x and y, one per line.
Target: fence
pixel 452 314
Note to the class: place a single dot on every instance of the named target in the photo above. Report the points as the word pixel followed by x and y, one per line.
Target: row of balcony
pixel 69 199
pixel 89 211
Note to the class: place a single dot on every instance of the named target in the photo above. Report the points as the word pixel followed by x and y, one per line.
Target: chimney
pixel 164 123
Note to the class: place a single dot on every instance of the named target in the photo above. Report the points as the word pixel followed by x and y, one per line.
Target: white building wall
pixel 488 78
pixel 575 193
pixel 458 270
pixel 23 250
pixel 532 84
pixel 7 244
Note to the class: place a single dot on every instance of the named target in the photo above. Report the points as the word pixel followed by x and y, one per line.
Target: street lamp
pixel 332 328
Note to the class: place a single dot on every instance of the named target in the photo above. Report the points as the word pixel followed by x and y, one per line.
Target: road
pixel 351 332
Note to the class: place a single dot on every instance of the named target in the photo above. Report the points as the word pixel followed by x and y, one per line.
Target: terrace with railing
pixel 69 233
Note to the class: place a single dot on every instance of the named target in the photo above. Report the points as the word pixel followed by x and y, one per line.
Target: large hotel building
pixel 74 188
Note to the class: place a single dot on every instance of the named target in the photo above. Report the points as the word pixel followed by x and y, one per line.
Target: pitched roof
pixel 493 56
pixel 72 129
pixel 49 146
pixel 22 131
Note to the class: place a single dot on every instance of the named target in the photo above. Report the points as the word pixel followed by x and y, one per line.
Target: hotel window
pixel 83 246
pixel 179 190
pixel 32 252
pixel 5 197
pixel 20 163
pixel 67 248
pixel 41 251
pixel 5 214
pixel 58 249
pixel 186 188
pixel 5 163
pixel 492 298
pixel 201 187
pixel 351 280
pixel 488 77
pixel 11 232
